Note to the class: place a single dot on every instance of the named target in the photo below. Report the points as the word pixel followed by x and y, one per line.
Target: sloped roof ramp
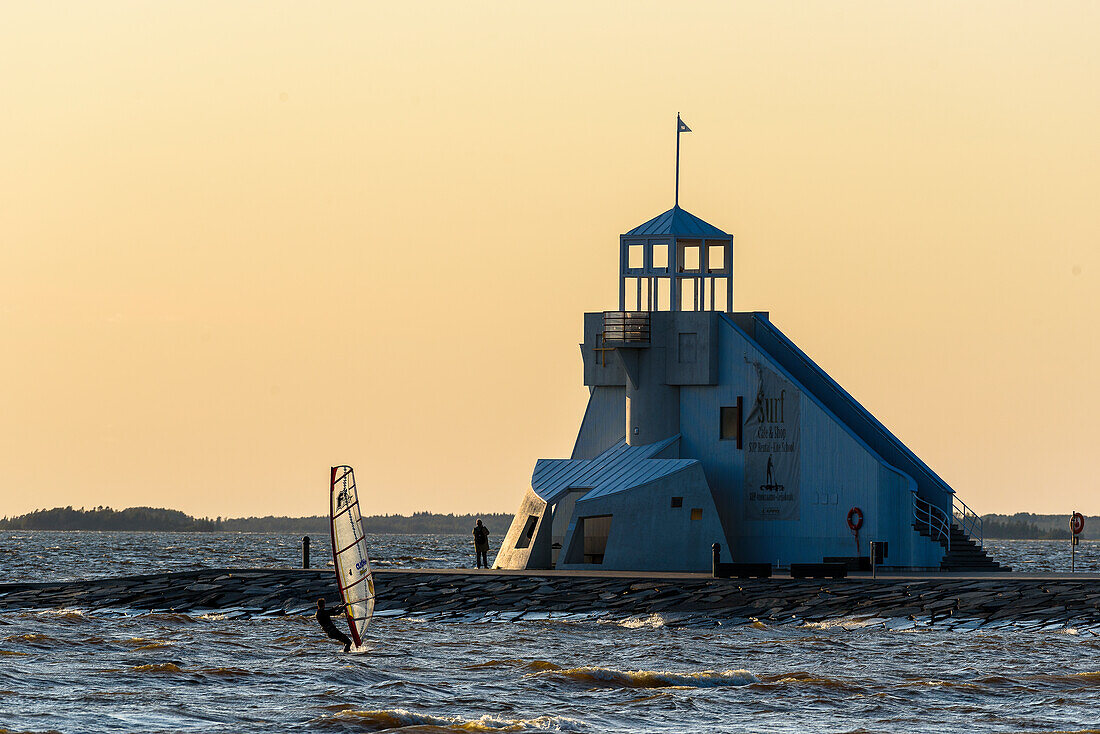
pixel 619 468
pixel 677 222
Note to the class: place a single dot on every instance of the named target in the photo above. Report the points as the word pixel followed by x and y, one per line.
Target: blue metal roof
pixel 677 222
pixel 620 467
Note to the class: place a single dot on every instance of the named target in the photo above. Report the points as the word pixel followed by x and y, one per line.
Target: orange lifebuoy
pixel 855 519
pixel 1077 523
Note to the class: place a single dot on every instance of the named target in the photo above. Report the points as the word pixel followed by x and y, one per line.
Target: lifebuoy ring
pixel 1077 523
pixel 855 519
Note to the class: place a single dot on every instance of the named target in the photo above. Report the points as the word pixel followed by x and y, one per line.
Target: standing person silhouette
pixel 481 544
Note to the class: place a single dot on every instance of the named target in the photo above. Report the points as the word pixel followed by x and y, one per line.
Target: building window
pixel 528 531
pixel 731 423
pixel 595 531
pixel 677 501
pixel 696 513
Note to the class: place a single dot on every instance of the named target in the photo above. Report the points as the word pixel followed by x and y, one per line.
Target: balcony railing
pixel 626 327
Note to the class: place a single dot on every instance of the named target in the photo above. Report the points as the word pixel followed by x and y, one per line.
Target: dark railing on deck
pixel 629 327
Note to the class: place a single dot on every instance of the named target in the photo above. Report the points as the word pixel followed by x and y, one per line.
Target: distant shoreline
pixel 1030 526
pixel 152 519
pixel 1020 526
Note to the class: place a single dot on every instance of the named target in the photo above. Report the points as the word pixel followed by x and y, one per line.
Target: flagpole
pixel 677 159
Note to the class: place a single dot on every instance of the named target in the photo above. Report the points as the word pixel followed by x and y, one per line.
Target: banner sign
pixel 773 467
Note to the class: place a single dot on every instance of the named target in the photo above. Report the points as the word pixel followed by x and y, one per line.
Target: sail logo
pixel 359 566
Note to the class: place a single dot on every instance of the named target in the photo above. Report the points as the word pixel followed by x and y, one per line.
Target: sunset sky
pixel 241 242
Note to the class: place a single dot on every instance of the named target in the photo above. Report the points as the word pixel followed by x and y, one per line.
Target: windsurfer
pixel 324 618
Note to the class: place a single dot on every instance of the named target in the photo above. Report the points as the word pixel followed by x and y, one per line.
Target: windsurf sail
pixel 349 552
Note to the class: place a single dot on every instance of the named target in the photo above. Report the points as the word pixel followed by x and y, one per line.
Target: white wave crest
pixel 651 678
pixel 63 612
pixel 399 718
pixel 846 623
pixel 650 621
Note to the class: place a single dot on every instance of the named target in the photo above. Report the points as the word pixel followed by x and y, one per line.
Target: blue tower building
pixel 709 425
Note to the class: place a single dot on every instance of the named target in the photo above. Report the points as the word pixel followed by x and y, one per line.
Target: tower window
pixel 691 252
pixel 716 257
pixel 660 257
pixel 696 513
pixel 664 296
pixel 677 501
pixel 687 294
pixel 635 257
pixel 721 302
pixel 632 290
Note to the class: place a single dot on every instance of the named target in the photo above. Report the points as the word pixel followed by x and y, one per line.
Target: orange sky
pixel 240 242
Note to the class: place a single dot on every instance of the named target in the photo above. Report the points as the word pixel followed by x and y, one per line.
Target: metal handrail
pixel 936 520
pixel 969 521
pixel 626 326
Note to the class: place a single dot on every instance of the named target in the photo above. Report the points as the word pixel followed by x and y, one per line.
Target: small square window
pixel 635 257
pixel 731 423
pixel 677 501
pixel 696 513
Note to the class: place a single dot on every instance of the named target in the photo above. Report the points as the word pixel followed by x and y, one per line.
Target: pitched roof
pixel 676 222
pixel 620 467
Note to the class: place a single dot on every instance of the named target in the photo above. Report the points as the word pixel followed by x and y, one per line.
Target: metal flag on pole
pixel 681 127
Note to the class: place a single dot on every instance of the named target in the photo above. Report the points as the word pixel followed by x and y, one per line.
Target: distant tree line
pixel 157 519
pixel 1021 525
pixel 1029 525
pixel 104 518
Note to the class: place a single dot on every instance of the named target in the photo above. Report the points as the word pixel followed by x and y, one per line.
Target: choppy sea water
pixel 37 555
pixel 78 671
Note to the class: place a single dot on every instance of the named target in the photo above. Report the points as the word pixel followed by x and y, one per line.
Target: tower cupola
pixel 676 262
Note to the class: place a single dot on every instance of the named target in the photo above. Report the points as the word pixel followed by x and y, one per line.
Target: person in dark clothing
pixel 481 544
pixel 324 618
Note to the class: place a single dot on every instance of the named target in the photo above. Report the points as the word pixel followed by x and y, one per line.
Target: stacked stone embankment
pixel 248 592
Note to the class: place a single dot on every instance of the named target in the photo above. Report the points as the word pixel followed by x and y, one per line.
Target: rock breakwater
pixel 684 599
